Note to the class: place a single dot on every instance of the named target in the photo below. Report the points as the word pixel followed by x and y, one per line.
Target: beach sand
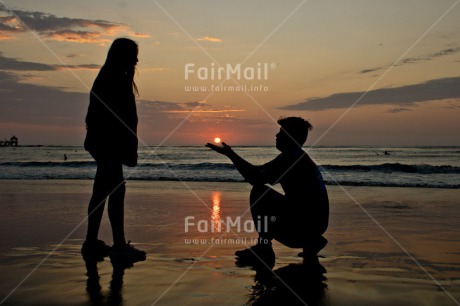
pixel 43 226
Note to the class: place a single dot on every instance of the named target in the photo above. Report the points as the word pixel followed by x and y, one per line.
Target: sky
pixel 362 72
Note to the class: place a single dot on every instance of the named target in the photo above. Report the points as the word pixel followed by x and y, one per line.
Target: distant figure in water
pixel 386 153
pixel 297 219
pixel 65 157
pixel 111 139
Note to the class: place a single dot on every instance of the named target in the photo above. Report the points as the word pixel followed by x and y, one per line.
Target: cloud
pixel 78 67
pixel 206 111
pixel 193 104
pixel 438 89
pixel 453 105
pixel 370 70
pixel 13 64
pixel 211 39
pixel 34 104
pixel 163 106
pixel 154 69
pixel 52 115
pixel 73 55
pixel 24 104
pixel 413 60
pixel 16 65
pixel 399 110
pixel 78 36
pixel 140 35
pixel 196 107
pixel 60 28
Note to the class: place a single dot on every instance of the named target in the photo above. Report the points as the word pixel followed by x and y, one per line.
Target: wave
pixel 77 164
pixel 392 184
pixel 406 184
pixel 395 167
pixel 327 182
pixel 382 168
pixel 189 166
pixel 32 164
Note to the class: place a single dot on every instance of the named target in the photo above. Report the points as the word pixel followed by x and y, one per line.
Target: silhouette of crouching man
pixel 297 219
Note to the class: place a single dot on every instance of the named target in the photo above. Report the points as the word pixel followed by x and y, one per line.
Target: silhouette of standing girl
pixel 111 139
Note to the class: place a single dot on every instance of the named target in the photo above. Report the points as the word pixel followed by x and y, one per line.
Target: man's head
pixel 293 133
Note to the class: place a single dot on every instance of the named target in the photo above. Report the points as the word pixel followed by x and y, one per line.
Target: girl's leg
pixel 116 214
pixel 120 249
pixel 97 203
pixel 107 183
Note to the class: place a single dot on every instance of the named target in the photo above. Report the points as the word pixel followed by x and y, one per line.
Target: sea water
pixel 431 167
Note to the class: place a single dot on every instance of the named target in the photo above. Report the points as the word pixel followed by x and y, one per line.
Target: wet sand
pixel 43 226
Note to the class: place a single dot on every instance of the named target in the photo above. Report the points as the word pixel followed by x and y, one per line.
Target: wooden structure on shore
pixel 13 142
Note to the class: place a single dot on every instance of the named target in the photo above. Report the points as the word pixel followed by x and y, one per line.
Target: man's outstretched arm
pixel 250 172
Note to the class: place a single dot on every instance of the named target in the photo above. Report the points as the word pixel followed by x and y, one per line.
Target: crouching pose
pixel 297 219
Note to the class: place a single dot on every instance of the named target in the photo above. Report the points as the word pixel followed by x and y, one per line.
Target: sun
pixel 217 140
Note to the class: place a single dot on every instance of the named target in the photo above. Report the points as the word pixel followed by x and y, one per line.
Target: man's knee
pixel 258 192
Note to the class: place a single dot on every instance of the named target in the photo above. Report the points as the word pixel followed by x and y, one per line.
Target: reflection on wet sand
pixel 294 284
pixel 94 289
pixel 215 213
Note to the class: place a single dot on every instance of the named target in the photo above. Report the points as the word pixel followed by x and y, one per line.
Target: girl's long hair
pixel 121 56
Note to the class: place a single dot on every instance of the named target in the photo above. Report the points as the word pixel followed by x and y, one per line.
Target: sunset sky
pixel 363 72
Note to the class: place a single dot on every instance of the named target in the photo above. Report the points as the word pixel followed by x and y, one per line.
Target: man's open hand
pixel 225 149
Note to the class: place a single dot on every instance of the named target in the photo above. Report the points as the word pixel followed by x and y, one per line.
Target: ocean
pixel 429 167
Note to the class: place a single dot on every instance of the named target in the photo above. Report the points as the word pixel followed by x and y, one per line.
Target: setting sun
pixel 217 140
